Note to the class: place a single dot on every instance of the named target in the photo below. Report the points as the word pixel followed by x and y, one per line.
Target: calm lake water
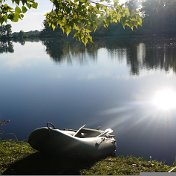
pixel 128 85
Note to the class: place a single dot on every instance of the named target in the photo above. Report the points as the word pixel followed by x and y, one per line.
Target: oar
pixel 79 130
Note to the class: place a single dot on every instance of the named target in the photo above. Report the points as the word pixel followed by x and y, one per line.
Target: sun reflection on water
pixel 152 110
pixel 164 100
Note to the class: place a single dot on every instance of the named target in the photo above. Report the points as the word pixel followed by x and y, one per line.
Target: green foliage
pixel 80 16
pixel 85 16
pixel 158 19
pixel 15 12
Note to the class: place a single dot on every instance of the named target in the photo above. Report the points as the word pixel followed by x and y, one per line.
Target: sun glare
pixel 165 100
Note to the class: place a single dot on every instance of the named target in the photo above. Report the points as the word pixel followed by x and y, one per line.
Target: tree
pixel 5 31
pixel 2 31
pixel 159 16
pixel 16 12
pixel 8 30
pixel 80 16
pixel 48 32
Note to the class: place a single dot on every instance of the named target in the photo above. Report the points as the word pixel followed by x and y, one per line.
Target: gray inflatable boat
pixel 82 143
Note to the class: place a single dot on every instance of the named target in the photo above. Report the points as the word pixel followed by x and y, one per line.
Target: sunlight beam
pixel 164 99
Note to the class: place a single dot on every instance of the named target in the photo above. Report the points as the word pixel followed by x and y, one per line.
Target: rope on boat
pixel 172 169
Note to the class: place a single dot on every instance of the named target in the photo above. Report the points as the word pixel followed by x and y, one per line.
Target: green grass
pixel 125 166
pixel 20 158
pixel 11 151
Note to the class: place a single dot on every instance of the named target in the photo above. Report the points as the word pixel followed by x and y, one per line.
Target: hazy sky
pixel 33 19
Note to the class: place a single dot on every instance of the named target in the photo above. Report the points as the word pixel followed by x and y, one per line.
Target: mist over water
pixel 111 84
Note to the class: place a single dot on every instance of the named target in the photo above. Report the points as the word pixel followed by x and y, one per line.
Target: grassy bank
pixel 20 158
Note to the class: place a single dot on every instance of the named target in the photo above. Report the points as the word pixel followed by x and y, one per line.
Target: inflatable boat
pixel 82 143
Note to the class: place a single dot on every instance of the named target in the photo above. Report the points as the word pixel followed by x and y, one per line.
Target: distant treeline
pixel 159 18
pixel 22 34
pixel 6 33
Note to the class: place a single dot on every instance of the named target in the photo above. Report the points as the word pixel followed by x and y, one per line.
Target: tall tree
pixel 8 30
pixel 5 31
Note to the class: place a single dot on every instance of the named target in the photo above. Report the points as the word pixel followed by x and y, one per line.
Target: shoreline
pixel 17 157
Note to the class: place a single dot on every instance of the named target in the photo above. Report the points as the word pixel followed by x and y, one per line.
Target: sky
pixel 33 19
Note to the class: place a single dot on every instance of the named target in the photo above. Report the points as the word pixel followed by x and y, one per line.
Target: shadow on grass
pixel 39 164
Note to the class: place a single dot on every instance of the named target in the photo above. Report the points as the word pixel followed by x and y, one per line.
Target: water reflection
pixel 110 84
pixel 138 54
pixel 60 51
pixel 160 56
pixel 6 47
